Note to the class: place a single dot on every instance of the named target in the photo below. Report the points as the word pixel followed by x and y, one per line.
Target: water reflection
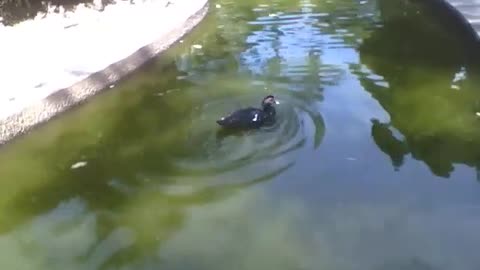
pixel 248 231
pixel 430 95
pixel 141 171
pixel 13 12
pixel 139 178
pixel 384 137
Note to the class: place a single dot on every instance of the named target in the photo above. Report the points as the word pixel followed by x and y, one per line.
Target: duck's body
pixel 250 118
pixel 244 119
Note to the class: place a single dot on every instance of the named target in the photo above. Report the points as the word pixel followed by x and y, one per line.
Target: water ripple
pixel 250 155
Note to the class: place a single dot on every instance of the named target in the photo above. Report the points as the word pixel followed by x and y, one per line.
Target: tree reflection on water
pixel 431 95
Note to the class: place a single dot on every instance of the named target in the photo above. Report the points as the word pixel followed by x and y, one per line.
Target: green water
pixel 372 163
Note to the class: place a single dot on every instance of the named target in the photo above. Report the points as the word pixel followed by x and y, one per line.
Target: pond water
pixel 372 164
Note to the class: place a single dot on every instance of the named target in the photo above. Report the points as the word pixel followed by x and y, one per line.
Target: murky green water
pixel 371 165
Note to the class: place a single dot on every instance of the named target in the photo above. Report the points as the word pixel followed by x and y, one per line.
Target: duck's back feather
pixel 244 118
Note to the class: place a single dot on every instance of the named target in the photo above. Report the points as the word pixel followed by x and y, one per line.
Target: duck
pixel 251 118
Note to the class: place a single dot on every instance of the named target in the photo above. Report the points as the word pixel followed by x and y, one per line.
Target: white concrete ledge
pixel 50 65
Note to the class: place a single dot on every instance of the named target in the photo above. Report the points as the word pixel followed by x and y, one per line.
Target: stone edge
pixel 68 98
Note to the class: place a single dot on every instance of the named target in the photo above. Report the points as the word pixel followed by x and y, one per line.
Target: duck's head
pixel 269 101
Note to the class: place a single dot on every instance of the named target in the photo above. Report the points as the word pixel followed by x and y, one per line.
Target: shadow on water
pixel 431 95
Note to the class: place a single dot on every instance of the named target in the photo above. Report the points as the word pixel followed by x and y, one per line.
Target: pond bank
pixel 54 63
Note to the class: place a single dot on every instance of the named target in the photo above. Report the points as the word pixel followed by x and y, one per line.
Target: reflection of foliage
pixel 129 141
pixel 130 138
pixel 230 49
pixel 125 145
pixel 15 11
pixel 418 60
pixel 130 178
pixel 388 143
pixel 247 227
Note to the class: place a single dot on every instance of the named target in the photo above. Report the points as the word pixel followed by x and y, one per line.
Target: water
pixel 372 164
